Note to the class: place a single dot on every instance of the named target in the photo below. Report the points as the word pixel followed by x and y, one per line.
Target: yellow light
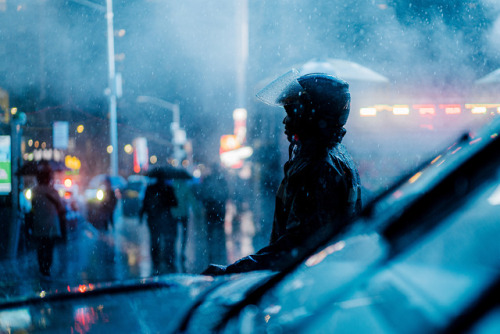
pixel 28 194
pixel 30 142
pixel 121 32
pixel 128 149
pixel 68 183
pixel 80 128
pixel 109 149
pixel 13 111
pixel 401 110
pixel 415 177
pixel 367 112
pixel 99 195
pixel 153 159
pixel 479 110
pixel 435 159
pixel 451 109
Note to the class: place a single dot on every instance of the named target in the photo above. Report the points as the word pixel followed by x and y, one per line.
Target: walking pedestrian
pixel 109 204
pixel 186 203
pixel 49 222
pixel 158 201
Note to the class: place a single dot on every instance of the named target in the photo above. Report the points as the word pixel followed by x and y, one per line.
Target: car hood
pixel 152 305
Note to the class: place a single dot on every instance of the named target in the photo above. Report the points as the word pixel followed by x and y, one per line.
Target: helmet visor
pixel 281 89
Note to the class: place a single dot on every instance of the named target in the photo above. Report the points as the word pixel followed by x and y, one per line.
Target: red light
pixel 82 288
pixel 67 195
pixel 68 183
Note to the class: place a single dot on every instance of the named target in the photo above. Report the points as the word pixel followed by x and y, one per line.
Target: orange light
pixel 67 195
pixel 228 143
pixel 435 159
pixel 82 288
pixel 68 183
pixel 415 177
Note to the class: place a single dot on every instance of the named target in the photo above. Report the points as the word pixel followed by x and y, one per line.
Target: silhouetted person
pixel 186 202
pixel 214 195
pixel 48 219
pixel 158 201
pixel 109 204
pixel 320 193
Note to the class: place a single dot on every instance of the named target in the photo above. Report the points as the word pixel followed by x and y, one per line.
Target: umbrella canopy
pixel 343 69
pixel 42 166
pixel 169 172
pixel 493 77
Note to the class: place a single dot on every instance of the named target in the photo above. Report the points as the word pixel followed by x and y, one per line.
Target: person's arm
pixel 317 210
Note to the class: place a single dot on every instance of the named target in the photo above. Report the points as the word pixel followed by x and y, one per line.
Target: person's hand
pixel 214 270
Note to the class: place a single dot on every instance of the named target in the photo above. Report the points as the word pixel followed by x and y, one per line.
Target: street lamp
pixel 178 134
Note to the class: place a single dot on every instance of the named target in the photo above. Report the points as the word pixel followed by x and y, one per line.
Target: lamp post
pixel 178 134
pixel 111 91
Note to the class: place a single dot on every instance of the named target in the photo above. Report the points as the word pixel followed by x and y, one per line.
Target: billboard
pixel 5 172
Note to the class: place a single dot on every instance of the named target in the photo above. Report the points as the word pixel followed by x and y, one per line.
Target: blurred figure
pixel 109 204
pixel 48 219
pixel 214 195
pixel 157 204
pixel 186 201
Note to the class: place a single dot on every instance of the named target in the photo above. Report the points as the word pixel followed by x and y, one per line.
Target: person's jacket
pixel 48 212
pixel 158 200
pixel 319 195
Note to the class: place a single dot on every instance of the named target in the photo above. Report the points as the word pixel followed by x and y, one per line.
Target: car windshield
pixel 178 105
pixel 433 278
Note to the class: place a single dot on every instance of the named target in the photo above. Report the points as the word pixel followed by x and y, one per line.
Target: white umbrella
pixel 344 69
pixel 493 77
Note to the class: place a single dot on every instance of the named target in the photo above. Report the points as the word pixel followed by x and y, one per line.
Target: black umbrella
pixel 41 166
pixel 169 172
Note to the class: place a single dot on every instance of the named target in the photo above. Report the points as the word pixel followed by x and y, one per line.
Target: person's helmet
pixel 320 96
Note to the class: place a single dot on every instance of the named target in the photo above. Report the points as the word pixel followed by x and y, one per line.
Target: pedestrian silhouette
pixel 49 222
pixel 214 195
pixel 109 204
pixel 158 201
pixel 187 203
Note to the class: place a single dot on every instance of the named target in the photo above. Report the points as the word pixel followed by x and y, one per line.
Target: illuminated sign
pixel 5 172
pixel 141 154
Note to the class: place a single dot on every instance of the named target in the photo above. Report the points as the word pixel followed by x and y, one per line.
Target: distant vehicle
pixel 69 191
pixel 133 195
pixel 95 197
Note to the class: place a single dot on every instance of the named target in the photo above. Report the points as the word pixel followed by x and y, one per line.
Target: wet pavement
pixel 90 256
